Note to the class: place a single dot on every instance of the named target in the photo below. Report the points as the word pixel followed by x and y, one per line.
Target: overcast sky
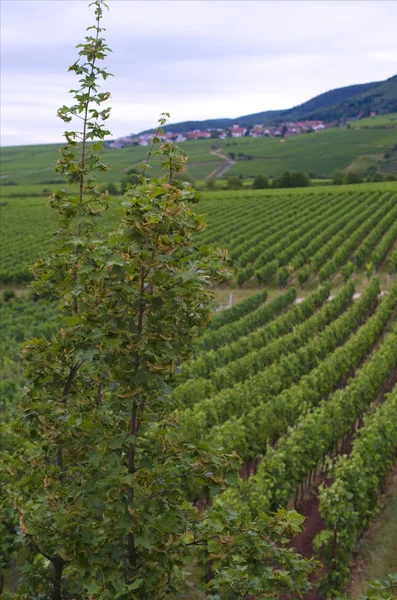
pixel 194 59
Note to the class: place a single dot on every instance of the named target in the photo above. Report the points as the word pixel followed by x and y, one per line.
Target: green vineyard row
pixel 251 363
pixel 258 394
pixel 348 504
pixel 290 236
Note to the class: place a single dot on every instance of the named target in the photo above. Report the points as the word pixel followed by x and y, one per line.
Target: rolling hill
pixel 341 103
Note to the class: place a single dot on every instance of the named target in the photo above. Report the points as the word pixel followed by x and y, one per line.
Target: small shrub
pixel 8 295
pixel 378 177
pixel 234 183
pixel 339 178
pixel 354 177
pixel 260 182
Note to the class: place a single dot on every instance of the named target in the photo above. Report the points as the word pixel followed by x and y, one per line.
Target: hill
pixel 341 103
pixel 318 153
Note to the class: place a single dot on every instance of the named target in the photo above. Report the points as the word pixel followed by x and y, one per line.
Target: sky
pixel 194 59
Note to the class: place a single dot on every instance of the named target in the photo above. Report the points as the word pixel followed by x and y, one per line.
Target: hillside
pixel 381 99
pixel 320 153
pixel 345 102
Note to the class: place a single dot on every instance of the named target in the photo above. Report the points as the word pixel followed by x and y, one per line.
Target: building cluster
pixel 284 130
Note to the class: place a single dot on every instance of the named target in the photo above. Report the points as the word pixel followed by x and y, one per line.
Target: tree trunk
pixel 57 589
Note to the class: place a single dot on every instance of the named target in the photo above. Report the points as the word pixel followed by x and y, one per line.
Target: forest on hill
pixel 342 103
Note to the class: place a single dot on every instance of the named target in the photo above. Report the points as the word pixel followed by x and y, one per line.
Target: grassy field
pixel 378 121
pixel 321 153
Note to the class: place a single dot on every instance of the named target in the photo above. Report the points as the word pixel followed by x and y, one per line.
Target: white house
pixel 237 131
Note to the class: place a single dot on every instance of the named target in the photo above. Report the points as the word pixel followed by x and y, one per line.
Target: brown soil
pixel 314 523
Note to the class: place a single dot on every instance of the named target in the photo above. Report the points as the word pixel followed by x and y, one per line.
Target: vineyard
pixel 298 378
pixel 273 238
pixel 302 391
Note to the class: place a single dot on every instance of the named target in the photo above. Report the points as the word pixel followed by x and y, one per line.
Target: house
pixel 317 125
pixel 257 132
pixel 198 135
pixel 237 131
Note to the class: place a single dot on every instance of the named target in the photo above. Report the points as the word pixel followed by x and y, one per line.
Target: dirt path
pixel 219 171
pixel 213 173
pixel 303 543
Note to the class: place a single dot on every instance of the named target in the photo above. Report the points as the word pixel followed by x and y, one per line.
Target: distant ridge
pixel 341 103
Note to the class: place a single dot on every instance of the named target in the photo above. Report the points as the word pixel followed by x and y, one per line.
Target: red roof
pixel 236 129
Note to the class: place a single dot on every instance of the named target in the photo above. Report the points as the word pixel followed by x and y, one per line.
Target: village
pixel 236 131
pixel 282 131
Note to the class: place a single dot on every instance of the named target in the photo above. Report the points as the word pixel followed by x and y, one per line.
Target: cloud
pixel 195 59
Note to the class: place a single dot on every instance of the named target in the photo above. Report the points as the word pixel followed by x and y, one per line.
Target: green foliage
pixel 283 276
pixel 210 183
pixel 339 178
pixel 205 363
pixel 112 189
pixel 317 433
pixel 347 270
pixel 20 319
pixel 8 294
pixel 348 504
pixel 278 395
pixel 359 229
pixel 301 229
pixel 260 182
pixel 238 311
pixel 185 177
pixel 378 177
pixel 353 177
pixel 382 590
pixel 234 183
pixel 304 274
pixel 132 178
pixel 392 262
pixel 292 180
